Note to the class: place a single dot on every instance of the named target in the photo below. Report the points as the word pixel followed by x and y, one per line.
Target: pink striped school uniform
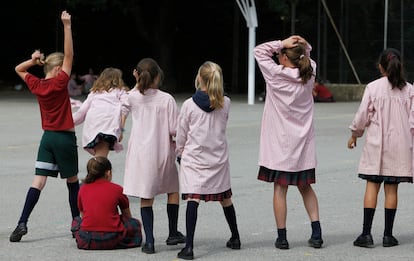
pixel 202 145
pixel 287 138
pixel 150 167
pixel 101 114
pixel 386 116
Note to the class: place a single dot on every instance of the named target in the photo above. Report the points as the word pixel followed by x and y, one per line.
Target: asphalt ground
pixel 339 190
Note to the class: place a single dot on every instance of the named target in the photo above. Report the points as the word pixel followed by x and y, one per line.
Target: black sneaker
pixel 233 243
pixel 18 232
pixel 364 241
pixel 315 242
pixel 186 253
pixel 178 238
pixel 282 243
pixel 389 241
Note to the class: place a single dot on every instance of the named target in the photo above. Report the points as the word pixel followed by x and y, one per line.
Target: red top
pixel 322 91
pixel 54 102
pixel 99 202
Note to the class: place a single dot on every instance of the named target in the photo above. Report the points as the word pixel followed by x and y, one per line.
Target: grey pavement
pixel 338 188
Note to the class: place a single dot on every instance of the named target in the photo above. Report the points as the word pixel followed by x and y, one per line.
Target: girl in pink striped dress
pixel 287 141
pixel 203 153
pixel 101 114
pixel 150 166
pixel 386 113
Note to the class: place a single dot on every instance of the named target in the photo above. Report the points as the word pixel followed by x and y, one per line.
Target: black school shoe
pixel 178 238
pixel 18 232
pixel 282 243
pixel 315 242
pixel 148 248
pixel 233 243
pixel 364 241
pixel 389 241
pixel 186 253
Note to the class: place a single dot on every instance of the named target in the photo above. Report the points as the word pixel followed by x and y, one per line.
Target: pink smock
pixel 150 167
pixel 287 138
pixel 202 146
pixel 101 113
pixel 386 115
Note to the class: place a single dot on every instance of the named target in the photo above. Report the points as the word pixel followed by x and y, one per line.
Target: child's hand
pixel 66 18
pixel 38 57
pixel 352 142
pixel 290 42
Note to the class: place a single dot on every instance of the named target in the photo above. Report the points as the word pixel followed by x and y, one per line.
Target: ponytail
pixel 297 56
pixel 390 61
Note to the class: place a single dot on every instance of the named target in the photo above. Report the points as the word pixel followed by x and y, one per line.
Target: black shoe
pixel 178 238
pixel 282 244
pixel 364 241
pixel 315 242
pixel 233 243
pixel 148 248
pixel 18 232
pixel 389 241
pixel 186 253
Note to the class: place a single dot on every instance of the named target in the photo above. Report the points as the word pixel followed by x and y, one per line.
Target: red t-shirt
pixel 54 102
pixel 99 202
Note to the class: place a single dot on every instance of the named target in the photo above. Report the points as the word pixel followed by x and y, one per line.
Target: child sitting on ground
pixel 101 226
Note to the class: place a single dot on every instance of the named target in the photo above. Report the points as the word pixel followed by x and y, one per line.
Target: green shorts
pixel 58 153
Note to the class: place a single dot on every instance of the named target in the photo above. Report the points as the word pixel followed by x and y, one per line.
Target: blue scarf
pixel 202 100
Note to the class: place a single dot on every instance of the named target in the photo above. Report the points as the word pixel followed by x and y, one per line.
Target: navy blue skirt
pixel 110 139
pixel 385 179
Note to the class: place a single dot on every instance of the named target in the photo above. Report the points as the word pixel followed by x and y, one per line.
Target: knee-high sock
pixel 191 221
pixel 147 216
pixel 230 215
pixel 172 212
pixel 31 199
pixel 73 189
pixel 316 230
pixel 389 221
pixel 368 217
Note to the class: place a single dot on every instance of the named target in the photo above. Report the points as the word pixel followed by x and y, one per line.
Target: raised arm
pixel 67 42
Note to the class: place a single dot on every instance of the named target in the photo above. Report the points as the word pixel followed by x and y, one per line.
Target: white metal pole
pixel 251 87
pixel 248 9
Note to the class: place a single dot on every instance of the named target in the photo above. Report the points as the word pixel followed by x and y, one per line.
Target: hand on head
pixel 293 41
pixel 38 57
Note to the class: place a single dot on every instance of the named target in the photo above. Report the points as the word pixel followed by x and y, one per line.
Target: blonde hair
pixel 51 61
pixel 110 78
pixel 211 77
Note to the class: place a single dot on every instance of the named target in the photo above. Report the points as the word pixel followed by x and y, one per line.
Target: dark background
pixel 182 34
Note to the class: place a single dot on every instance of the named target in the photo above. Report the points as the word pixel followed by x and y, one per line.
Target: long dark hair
pixel 390 61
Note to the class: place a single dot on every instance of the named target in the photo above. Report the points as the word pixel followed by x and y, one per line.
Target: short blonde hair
pixel 52 60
